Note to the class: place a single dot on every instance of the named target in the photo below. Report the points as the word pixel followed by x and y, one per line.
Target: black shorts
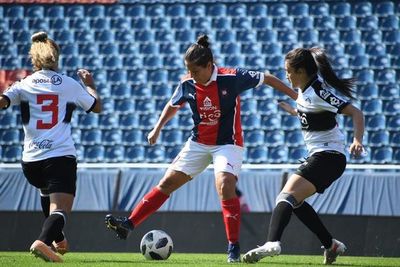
pixel 323 168
pixel 52 175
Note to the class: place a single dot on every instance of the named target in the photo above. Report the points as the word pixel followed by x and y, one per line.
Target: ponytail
pixel 200 53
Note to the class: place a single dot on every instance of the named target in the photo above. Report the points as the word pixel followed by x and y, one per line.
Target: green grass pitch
pixel 9 259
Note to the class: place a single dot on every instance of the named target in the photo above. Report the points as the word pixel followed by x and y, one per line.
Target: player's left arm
pixel 4 102
pixel 356 148
pixel 276 83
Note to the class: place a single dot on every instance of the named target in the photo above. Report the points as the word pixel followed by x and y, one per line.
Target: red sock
pixel 149 204
pixel 231 213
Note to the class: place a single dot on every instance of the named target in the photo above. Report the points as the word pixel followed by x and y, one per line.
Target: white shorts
pixel 195 157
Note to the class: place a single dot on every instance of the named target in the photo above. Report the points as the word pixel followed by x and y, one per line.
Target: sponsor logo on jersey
pixel 324 94
pixel 253 74
pixel 334 101
pixel 41 144
pixel 209 114
pixel 55 79
pixel 207 102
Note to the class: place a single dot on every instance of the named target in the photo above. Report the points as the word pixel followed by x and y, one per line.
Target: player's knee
pixel 288 198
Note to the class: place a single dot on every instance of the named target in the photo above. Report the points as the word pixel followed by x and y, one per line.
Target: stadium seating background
pixel 135 52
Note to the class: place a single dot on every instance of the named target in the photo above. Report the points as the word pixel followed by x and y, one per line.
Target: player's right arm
pixel 168 113
pixel 87 79
pixel 4 102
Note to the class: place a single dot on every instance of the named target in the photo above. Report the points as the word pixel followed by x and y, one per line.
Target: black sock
pixel 279 220
pixel 45 201
pixel 310 218
pixel 52 227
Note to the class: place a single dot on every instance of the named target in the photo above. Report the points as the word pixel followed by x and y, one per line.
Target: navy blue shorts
pixel 323 168
pixel 52 175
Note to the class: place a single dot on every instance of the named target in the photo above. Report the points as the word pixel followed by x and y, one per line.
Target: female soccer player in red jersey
pixel 213 95
pixel 47 99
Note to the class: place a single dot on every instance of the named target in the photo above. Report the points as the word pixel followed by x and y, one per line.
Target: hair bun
pixel 39 37
pixel 203 41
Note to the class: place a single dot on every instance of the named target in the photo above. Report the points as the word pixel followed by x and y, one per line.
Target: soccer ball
pixel 156 245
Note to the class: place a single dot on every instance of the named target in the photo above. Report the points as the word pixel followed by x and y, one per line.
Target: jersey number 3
pixel 51 106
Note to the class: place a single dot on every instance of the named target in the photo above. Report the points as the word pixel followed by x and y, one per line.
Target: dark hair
pixel 315 60
pixel 200 53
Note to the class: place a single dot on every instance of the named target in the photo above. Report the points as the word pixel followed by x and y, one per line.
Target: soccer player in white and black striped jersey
pixel 47 99
pixel 309 70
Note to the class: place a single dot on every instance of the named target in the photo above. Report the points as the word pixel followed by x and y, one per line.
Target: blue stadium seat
pixel 11 63
pixel 375 122
pixel 297 154
pixel 329 36
pixel 121 91
pixel 132 137
pixel 325 23
pixel 196 10
pixel 378 138
pixel 376 50
pixel 359 62
pixel 389 91
pixel 251 122
pixel 372 36
pixel 18 24
pixel 12 153
pixel 257 10
pixel 287 36
pixel 147 121
pixel 171 152
pixel 256 155
pixel 362 9
pixel 54 11
pixel 335 49
pixel 132 62
pixel 164 36
pixel 108 121
pixel 289 122
pixel 115 11
pixel 266 107
pixel 172 137
pixel 134 154
pixel 271 122
pixel 385 76
pixel 382 155
pixel 8 50
pixel 14 11
pixel 341 9
pixel 284 23
pixel 111 137
pixel 230 48
pixel 391 107
pixel 64 36
pixel 36 24
pixel 294 138
pixel 157 76
pixel 275 138
pixel 123 23
pixel 94 154
pixel 346 23
pixel 350 36
pixel 248 106
pixel 88 121
pixel 114 154
pixel 124 35
pixel 139 23
pixel 391 36
pixel 100 36
pixel 278 154
pixel 389 22
pixel 144 36
pixel 254 137
pixel 355 49
pixel 137 76
pixel 241 23
pixel 272 49
pixel 319 9
pixel 372 106
pixel 160 23
pixel 129 121
pixel 180 23
pixel 161 91
pixel 109 49
pixel 380 62
pixel 364 76
pixel 185 121
pixel 74 11
pixel 395 140
pixel 299 10
pixel 304 23
pixel 234 60
pixel 237 10
pixel 261 23
pixel 368 23
pixel 95 11
pixel 155 154
pixel 58 24
pixel 100 23
pixel 22 36
pixel 225 36
pixel 396 156
pixel 152 62
pixel 393 123
pixel 155 10
pixel 274 62
pixel 174 76
pixel 308 37
pixel 116 74
pixel 278 10
pixel 217 10
pixel 176 10
pixel 135 11
pixel 254 62
pixel 125 106
pixel 384 8
pixel 91 137
pixel 10 137
pixel 91 62
pixel 367 91
pixel 70 49
pixel 267 36
pixel 71 62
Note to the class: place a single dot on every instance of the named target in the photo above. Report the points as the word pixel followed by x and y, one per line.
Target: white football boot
pixel 337 248
pixel 268 249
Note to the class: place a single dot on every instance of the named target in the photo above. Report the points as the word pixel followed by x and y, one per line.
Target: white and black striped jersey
pixel 47 100
pixel 317 107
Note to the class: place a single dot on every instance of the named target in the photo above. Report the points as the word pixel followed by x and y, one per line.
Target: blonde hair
pixel 44 52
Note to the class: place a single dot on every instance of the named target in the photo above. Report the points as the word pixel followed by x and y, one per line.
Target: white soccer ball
pixel 156 245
